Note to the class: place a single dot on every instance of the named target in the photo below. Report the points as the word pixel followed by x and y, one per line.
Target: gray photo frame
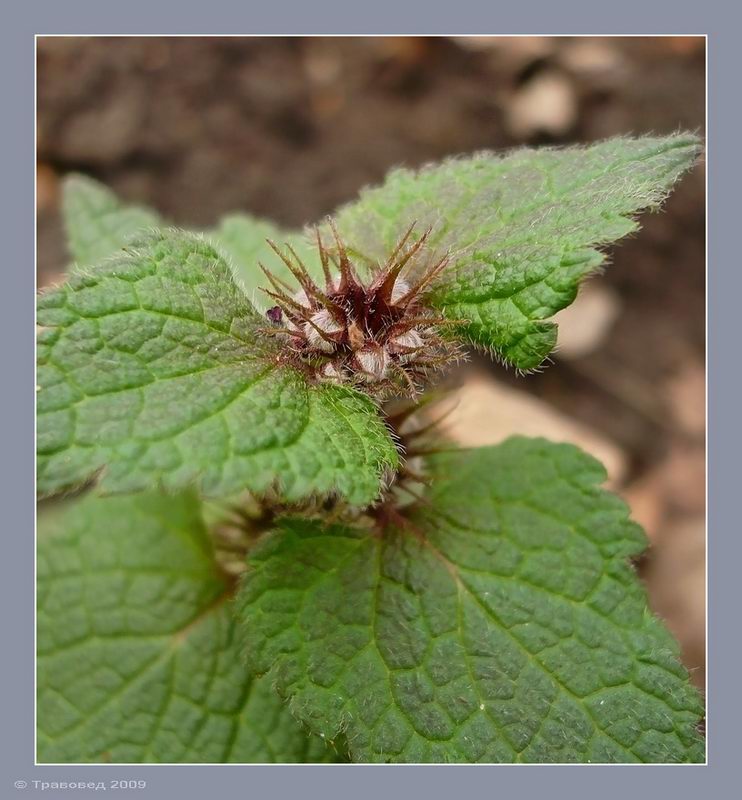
pixel 21 23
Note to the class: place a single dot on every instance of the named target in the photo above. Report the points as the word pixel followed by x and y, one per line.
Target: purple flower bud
pixel 275 315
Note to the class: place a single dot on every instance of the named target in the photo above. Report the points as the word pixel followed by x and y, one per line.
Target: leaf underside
pixel 139 656
pixel 504 625
pixel 523 229
pixel 154 370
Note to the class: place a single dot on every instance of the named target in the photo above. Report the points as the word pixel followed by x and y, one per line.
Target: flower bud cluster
pixel 378 333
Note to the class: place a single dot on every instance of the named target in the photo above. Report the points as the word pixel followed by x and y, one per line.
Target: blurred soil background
pixel 289 128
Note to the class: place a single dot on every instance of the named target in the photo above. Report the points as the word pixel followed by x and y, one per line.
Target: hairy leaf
pixel 96 222
pixel 139 655
pixel 502 623
pixel 154 369
pixel 522 228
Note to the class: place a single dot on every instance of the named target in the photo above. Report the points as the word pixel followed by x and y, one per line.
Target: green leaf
pixel 502 623
pixel 139 656
pixel 153 369
pixel 96 222
pixel 522 228
pixel 242 239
